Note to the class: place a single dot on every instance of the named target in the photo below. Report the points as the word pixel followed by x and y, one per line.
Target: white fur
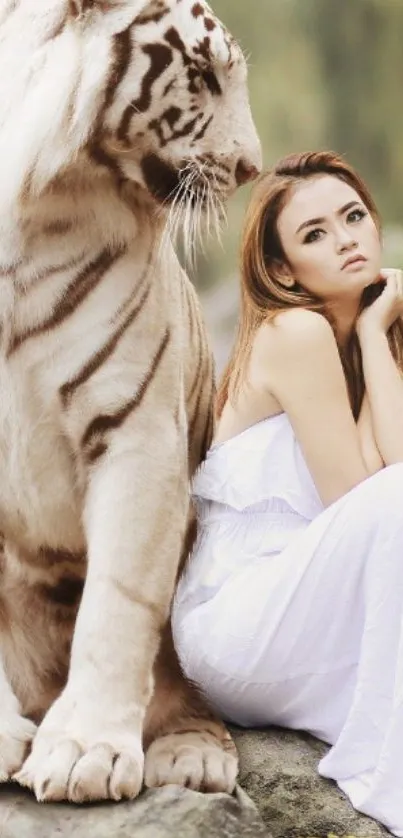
pixel 127 512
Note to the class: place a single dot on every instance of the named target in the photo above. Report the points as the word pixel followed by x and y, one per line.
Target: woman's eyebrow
pixel 321 220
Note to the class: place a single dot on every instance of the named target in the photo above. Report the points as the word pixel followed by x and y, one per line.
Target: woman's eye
pixel 356 215
pixel 313 235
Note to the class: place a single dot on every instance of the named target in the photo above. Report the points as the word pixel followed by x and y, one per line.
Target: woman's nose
pixel 345 241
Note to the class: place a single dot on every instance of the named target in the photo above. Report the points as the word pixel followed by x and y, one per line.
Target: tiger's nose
pixel 245 172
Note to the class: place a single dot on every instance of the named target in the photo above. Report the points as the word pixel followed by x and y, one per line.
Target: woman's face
pixel 330 240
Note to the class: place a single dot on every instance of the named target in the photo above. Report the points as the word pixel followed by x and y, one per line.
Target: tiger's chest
pixel 39 497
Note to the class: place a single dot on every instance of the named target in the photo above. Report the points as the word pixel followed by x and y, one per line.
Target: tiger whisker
pixel 196 211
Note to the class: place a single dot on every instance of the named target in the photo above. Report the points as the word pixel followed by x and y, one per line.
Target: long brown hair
pixel 264 264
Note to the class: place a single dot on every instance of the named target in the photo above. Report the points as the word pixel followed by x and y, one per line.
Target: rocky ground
pixel 166 813
pixel 285 799
pixel 278 771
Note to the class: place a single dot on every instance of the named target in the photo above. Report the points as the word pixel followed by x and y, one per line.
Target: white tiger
pixel 112 112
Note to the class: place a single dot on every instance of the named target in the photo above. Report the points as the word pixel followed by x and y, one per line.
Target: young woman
pixel 291 608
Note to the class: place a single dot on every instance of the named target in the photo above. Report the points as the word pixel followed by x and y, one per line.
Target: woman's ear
pixel 283 274
pixel 288 281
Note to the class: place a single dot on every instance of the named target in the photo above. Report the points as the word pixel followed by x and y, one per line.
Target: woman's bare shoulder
pixel 294 331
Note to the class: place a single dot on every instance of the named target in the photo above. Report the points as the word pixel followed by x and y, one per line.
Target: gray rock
pixel 170 812
pixel 278 771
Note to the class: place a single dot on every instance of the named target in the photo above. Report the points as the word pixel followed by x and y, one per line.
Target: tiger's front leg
pixel 186 743
pixel 89 745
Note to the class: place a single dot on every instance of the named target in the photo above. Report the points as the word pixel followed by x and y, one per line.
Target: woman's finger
pixel 391 274
pixel 394 281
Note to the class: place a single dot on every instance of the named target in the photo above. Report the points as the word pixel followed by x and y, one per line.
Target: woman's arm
pixel 383 380
pixel 297 361
pixel 384 386
pixel 369 448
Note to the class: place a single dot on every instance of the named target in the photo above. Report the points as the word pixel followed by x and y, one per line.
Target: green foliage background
pixel 322 74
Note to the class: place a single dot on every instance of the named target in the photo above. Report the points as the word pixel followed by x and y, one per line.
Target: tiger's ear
pixel 119 8
pixel 77 8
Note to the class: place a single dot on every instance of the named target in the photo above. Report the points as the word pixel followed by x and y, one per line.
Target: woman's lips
pixel 354 260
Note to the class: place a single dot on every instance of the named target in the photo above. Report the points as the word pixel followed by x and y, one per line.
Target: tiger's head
pixel 151 91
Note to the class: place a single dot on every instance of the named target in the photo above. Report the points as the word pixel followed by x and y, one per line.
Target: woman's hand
pixel 382 313
pixel 382 373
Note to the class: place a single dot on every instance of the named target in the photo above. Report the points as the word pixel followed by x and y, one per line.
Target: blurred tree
pixel 359 49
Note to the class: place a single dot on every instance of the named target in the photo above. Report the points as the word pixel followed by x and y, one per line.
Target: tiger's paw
pixel 16 734
pixel 83 754
pixel 104 770
pixel 196 760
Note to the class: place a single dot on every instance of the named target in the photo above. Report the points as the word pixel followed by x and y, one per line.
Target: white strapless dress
pixel 292 614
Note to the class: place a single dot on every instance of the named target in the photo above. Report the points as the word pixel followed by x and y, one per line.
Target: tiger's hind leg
pixel 185 744
pixel 16 732
pixel 29 646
